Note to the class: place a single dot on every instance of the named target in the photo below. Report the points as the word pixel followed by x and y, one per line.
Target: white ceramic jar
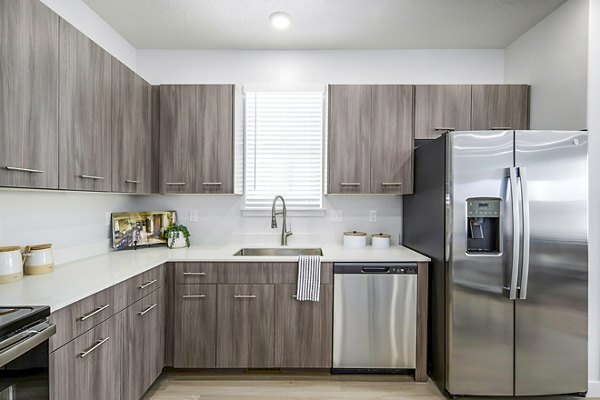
pixel 11 264
pixel 355 240
pixel 39 259
pixel 381 240
pixel 177 242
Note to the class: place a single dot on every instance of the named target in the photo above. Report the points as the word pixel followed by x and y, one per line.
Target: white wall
pixel 321 67
pixel 552 57
pixel 594 202
pixel 78 14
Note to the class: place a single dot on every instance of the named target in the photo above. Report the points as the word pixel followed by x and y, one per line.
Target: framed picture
pixel 131 230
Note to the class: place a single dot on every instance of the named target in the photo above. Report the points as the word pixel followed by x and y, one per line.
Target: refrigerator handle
pixel 516 219
pixel 526 233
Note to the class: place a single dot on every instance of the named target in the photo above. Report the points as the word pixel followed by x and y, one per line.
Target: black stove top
pixel 15 318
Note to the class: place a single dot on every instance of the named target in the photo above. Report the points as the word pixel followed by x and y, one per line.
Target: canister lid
pixel 381 235
pixel 9 248
pixel 355 233
pixel 41 246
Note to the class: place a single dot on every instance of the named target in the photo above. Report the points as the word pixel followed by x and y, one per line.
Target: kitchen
pixel 549 47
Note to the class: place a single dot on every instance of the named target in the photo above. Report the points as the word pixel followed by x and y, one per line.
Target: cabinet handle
pixel 500 128
pixel 194 296
pixel 147 309
pixel 175 183
pixel 94 347
pixel 245 296
pixel 294 296
pixel 95 178
pixel 145 285
pixel 195 273
pixel 443 129
pixel 350 184
pixel 96 311
pixel 212 183
pixel 31 170
pixel 132 181
pixel 391 184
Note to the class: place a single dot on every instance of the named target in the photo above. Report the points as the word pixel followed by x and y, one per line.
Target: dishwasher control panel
pixel 375 268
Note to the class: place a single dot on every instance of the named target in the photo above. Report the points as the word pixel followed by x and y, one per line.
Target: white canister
pixel 177 240
pixel 39 259
pixel 355 240
pixel 381 240
pixel 11 264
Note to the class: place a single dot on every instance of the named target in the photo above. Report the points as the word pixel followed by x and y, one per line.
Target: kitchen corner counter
pixel 76 280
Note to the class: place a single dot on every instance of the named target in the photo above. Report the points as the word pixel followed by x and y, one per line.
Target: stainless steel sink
pixel 279 252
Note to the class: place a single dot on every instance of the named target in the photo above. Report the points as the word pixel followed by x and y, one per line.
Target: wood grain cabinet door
pixel 195 333
pixel 89 367
pixel 392 139
pixel 303 329
pixel 500 107
pixel 349 139
pixel 178 143
pixel 143 345
pixel 214 130
pixel 28 95
pixel 245 326
pixel 440 109
pixel 84 113
pixel 131 131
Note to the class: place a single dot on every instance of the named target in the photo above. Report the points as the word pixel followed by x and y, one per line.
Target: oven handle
pixel 18 349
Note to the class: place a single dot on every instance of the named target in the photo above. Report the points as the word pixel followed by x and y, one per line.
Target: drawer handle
pixel 145 285
pixel 443 129
pixel 132 181
pixel 94 347
pixel 245 296
pixel 194 273
pixel 212 183
pixel 294 296
pixel 391 184
pixel 93 177
pixel 147 310
pixel 175 183
pixel 501 128
pixel 194 296
pixel 350 184
pixel 96 311
pixel 31 170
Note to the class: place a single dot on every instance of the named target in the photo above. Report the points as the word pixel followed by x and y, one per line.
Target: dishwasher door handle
pixel 375 270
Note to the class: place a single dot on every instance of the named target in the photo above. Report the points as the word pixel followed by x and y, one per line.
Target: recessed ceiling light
pixel 280 20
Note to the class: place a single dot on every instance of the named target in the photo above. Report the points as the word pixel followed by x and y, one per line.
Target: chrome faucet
pixel 283 212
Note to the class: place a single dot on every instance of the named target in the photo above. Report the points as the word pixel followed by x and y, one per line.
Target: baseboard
pixel 593 389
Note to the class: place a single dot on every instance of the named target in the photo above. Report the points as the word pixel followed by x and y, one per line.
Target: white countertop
pixel 76 280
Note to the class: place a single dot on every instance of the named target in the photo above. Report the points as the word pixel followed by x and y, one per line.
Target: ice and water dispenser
pixel 483 225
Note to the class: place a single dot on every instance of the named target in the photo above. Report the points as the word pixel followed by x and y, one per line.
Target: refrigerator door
pixel 551 316
pixel 480 316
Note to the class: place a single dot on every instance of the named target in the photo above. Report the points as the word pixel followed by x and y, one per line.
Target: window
pixel 284 149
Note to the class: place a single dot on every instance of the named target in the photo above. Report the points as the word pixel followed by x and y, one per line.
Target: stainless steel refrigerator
pixel 503 215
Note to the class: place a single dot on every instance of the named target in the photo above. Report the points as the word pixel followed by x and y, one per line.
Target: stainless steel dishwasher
pixel 374 317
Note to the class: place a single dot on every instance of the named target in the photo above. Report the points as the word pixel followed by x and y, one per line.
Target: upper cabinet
pixel 440 109
pixel 131 131
pixel 500 107
pixel 84 113
pixel 370 139
pixel 28 95
pixel 196 139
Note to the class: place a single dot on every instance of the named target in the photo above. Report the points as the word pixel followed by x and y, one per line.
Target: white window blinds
pixel 284 149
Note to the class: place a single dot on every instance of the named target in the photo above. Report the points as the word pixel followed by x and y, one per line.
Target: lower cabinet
pixel 303 329
pixel 143 344
pixel 195 330
pixel 89 367
pixel 245 326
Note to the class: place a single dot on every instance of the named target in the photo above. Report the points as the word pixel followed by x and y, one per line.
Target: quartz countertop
pixel 76 280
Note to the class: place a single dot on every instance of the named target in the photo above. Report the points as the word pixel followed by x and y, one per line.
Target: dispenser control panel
pixel 483 226
pixel 483 208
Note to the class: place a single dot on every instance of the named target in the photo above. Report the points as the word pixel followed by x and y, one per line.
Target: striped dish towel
pixel 309 278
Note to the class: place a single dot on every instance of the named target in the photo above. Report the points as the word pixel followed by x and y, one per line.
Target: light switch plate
pixel 336 216
pixel 372 215
pixel 193 215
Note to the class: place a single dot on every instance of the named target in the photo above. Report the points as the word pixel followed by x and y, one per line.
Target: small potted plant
pixel 177 236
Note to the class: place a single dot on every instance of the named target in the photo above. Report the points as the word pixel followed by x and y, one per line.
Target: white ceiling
pixel 323 24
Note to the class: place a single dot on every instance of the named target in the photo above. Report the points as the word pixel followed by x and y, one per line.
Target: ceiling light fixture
pixel 280 20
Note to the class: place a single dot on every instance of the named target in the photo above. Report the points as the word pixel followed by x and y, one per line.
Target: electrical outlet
pixel 193 215
pixel 337 216
pixel 372 215
pixel 107 217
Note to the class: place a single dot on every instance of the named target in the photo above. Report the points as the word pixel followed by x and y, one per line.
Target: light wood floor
pixel 293 386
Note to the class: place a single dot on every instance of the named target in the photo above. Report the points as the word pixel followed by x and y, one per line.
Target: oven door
pixel 24 364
